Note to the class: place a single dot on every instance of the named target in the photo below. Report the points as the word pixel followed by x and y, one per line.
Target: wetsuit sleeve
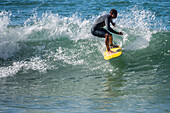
pixel 107 23
pixel 112 23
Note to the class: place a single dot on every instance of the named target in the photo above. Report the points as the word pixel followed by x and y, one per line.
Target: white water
pixel 135 24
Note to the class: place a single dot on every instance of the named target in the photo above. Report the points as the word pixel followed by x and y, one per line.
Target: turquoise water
pixel 50 62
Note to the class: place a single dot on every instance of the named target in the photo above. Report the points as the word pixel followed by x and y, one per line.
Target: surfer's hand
pixel 120 33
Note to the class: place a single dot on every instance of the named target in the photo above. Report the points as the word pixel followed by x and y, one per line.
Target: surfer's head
pixel 113 13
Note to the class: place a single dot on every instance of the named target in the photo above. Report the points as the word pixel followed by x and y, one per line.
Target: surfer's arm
pixel 113 23
pixel 107 23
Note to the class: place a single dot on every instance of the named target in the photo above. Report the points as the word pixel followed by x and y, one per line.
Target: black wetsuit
pixel 97 28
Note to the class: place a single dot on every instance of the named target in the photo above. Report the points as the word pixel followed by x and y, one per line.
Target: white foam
pixel 35 63
pixel 136 24
pixel 54 26
pixel 7 44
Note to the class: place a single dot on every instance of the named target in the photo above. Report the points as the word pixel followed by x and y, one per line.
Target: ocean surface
pixel 50 62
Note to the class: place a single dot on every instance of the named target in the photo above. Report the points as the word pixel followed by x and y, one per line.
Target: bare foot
pixel 110 52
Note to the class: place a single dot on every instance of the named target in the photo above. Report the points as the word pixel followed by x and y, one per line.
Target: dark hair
pixel 113 11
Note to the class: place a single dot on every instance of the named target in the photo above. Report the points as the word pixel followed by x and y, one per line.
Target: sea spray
pixel 137 24
pixel 57 41
pixel 23 43
pixel 7 37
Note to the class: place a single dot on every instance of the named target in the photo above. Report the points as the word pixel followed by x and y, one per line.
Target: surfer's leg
pixel 98 32
pixel 111 42
pixel 107 41
pixel 110 39
pixel 103 33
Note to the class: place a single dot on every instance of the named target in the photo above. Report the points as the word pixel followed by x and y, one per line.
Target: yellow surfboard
pixel 117 50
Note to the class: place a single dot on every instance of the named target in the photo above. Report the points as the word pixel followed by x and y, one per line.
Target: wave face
pixel 53 56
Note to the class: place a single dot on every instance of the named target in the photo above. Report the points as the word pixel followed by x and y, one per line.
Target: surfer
pixel 98 30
